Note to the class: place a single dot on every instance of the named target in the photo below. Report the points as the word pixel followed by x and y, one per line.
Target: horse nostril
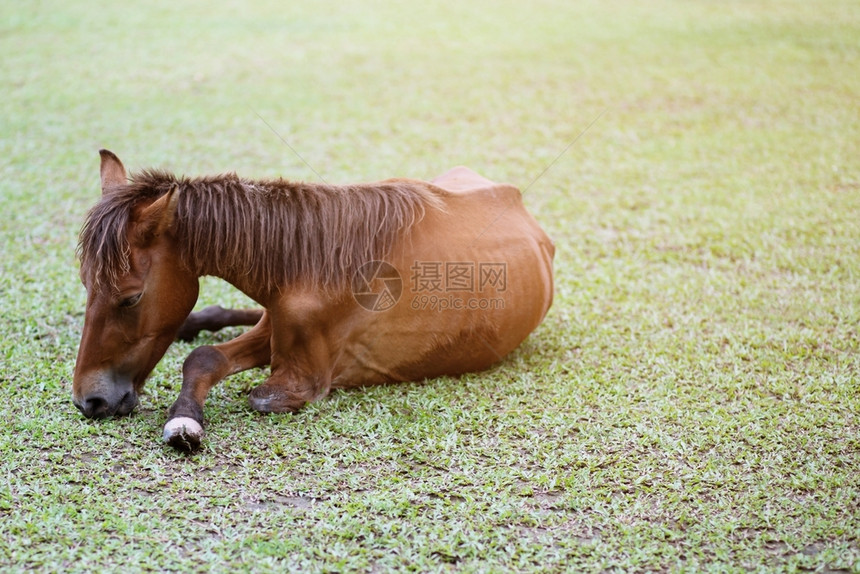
pixel 94 407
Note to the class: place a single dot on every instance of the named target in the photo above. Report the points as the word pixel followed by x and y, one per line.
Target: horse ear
pixel 112 171
pixel 156 218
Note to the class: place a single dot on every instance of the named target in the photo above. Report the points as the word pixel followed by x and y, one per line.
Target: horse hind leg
pixel 202 370
pixel 215 318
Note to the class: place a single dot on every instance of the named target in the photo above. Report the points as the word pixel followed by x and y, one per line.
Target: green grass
pixel 690 403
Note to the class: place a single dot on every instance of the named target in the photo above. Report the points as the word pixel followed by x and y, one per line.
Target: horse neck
pixel 267 237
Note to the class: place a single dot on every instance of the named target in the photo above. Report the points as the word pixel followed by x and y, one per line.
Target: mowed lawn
pixel 692 400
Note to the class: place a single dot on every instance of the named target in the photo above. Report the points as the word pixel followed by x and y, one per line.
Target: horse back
pixel 461 179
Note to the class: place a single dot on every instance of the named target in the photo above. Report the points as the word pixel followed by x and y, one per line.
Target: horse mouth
pixel 127 404
pixel 100 407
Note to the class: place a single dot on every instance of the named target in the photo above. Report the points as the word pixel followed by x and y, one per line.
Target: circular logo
pixel 377 286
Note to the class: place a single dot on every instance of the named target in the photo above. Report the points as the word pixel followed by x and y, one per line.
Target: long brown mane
pixel 272 231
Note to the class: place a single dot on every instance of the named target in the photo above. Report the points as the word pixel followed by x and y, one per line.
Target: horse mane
pixel 274 232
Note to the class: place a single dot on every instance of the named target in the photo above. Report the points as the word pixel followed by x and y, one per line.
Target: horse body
pixel 406 280
pixel 483 226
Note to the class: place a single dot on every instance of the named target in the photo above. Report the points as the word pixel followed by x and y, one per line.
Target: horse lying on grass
pixel 398 280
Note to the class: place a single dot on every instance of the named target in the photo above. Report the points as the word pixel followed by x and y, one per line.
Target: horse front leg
pixel 301 371
pixel 202 370
pixel 215 318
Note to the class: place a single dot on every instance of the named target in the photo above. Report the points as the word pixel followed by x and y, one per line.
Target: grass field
pixel 692 401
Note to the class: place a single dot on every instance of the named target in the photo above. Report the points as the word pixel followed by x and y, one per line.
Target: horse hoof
pixel 183 433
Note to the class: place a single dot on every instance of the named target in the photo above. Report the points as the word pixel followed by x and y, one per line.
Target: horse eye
pixel 130 301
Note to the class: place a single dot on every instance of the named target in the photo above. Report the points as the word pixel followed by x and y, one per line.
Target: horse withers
pixel 398 280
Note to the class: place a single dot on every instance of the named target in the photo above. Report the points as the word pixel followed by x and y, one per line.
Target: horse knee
pixel 204 362
pixel 277 397
pixel 268 400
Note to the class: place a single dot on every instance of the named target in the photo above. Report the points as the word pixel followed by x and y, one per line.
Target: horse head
pixel 138 293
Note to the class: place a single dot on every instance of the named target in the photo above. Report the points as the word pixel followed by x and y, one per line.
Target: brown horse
pixel 392 281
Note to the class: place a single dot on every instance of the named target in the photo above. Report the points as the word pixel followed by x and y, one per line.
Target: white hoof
pixel 183 432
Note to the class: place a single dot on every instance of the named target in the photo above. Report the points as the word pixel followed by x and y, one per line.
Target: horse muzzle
pixel 106 399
